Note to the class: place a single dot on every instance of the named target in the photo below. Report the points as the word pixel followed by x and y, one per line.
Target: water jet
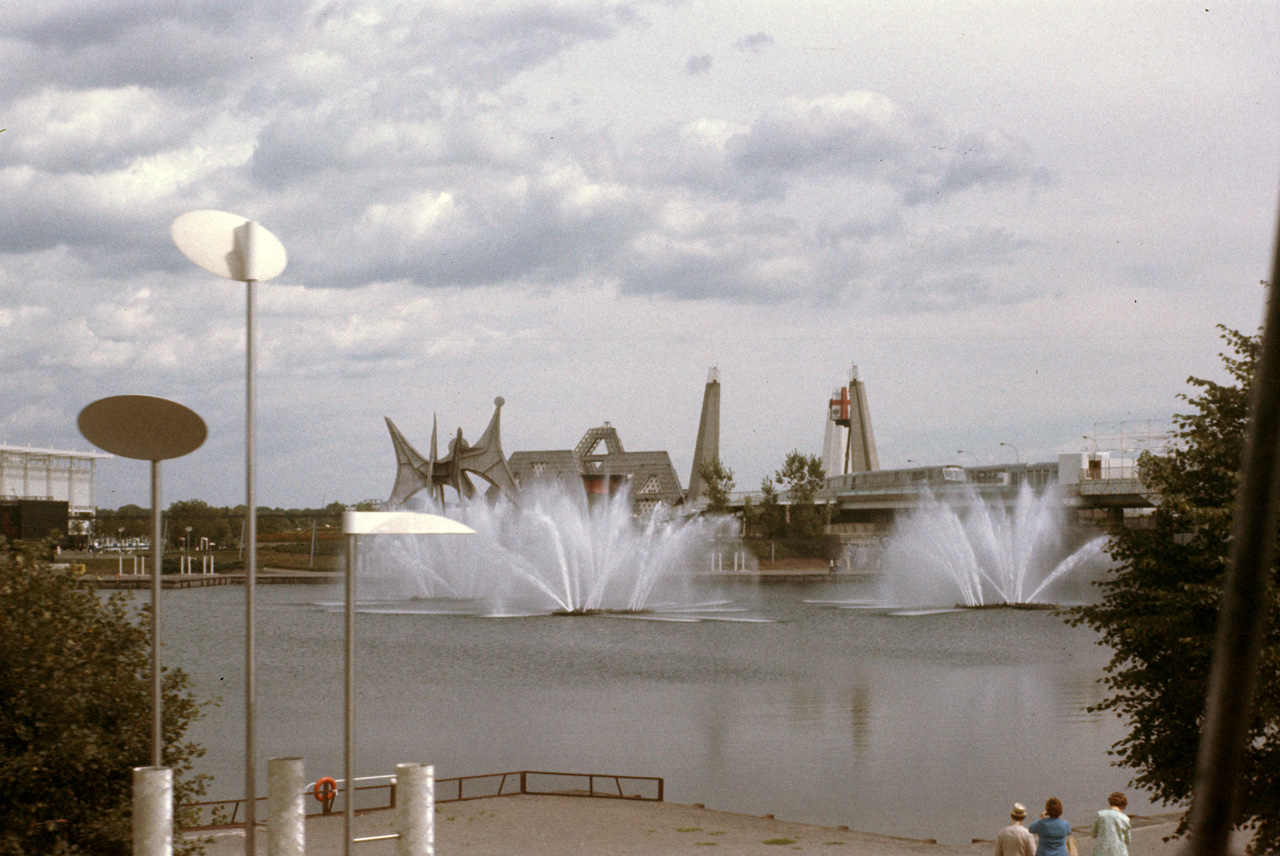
pixel 555 553
pixel 974 551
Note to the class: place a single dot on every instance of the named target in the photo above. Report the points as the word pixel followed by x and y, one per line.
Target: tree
pixel 75 713
pixel 769 516
pixel 718 481
pixel 205 520
pixel 1159 611
pixel 802 477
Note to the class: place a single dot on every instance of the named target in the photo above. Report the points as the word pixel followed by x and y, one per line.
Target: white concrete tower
pixel 849 445
pixel 833 443
pixel 707 446
pixel 861 446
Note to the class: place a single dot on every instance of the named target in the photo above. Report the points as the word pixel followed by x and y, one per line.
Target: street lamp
pixel 235 247
pixel 155 430
pixel 355 524
pixel 1017 459
pixel 963 452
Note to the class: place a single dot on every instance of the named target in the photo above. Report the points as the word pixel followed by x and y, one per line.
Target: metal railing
pixel 223 814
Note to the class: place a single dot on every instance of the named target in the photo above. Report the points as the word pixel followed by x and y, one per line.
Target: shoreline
pixel 528 825
pixel 288 576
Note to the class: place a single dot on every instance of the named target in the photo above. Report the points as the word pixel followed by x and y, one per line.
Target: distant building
pixel 650 476
pixel 52 479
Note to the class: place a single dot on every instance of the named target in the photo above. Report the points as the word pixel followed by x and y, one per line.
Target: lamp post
pixel 355 524
pixel 237 248
pixel 1017 459
pixel 155 430
pixel 963 452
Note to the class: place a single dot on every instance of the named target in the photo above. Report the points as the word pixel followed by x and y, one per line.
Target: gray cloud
pixel 698 64
pixel 511 194
pixel 754 42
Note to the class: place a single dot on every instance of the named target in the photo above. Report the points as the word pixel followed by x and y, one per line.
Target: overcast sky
pixel 1021 221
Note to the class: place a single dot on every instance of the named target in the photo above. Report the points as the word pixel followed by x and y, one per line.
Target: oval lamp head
pixel 142 427
pixel 228 245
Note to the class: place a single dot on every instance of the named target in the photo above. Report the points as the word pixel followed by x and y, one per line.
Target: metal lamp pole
pixel 149 429
pixel 355 524
pixel 235 247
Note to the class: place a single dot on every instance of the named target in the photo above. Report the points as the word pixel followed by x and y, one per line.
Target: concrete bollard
pixel 152 811
pixel 286 811
pixel 415 809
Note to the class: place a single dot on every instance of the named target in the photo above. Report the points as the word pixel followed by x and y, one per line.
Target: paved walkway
pixel 551 826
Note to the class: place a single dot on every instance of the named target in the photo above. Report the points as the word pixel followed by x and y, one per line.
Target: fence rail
pixel 223 814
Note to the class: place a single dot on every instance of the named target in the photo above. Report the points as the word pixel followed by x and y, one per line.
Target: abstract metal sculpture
pixel 485 459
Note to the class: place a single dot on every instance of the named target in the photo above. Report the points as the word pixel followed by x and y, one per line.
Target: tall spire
pixel 861 452
pixel 707 447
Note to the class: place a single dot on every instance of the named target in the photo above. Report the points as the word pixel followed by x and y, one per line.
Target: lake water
pixel 927 726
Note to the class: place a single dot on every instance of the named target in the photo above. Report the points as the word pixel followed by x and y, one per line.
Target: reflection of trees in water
pixel 859 719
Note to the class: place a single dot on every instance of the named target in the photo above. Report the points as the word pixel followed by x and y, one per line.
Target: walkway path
pixel 553 826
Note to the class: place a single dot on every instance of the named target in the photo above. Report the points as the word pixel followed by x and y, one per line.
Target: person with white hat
pixel 1014 839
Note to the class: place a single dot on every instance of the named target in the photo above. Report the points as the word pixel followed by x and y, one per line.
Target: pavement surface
pixel 527 825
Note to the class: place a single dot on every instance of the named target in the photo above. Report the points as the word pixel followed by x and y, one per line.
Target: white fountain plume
pixel 552 553
pixel 968 550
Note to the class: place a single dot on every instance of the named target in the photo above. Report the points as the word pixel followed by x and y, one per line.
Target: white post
pixel 349 702
pixel 415 809
pixel 152 811
pixel 251 561
pixel 286 813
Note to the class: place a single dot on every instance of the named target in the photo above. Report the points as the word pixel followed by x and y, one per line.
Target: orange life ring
pixel 325 790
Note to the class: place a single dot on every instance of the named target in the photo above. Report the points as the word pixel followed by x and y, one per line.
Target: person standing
pixel 1052 830
pixel 1111 828
pixel 1014 839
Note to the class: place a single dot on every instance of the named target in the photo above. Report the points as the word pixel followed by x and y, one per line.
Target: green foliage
pixel 718 481
pixel 790 529
pixel 770 519
pixel 222 525
pixel 802 476
pixel 75 713
pixel 1159 611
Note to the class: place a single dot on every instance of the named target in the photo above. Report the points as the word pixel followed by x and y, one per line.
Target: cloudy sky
pixel 1021 220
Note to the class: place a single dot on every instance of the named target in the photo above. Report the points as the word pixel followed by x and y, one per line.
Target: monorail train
pixel 915 477
pixel 940 477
